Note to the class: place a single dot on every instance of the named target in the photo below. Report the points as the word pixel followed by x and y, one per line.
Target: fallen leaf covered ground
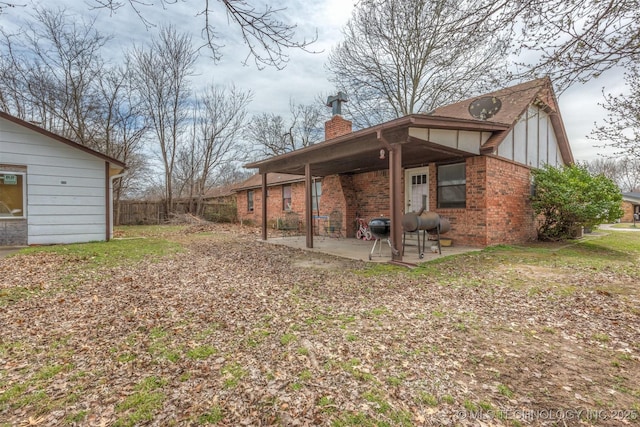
pixel 228 330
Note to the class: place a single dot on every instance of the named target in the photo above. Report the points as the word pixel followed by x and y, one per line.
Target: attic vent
pixel 485 107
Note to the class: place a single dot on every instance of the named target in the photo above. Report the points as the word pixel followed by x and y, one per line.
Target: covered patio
pixel 408 142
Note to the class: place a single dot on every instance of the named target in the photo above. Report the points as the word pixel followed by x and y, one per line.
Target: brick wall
pixel 350 193
pixel 13 232
pixel 333 201
pixel 275 208
pixel 628 208
pixel 336 127
pixel 498 207
pixel 510 216
pixel 468 226
pixel 372 194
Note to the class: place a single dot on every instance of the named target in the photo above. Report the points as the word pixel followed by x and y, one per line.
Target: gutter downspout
pixel 308 204
pixel 109 204
pixel 265 191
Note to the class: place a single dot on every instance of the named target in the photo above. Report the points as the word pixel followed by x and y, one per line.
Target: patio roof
pixel 359 151
pixel 631 197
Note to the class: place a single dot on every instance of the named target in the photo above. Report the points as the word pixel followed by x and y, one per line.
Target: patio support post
pixel 308 212
pixel 264 206
pixel 395 188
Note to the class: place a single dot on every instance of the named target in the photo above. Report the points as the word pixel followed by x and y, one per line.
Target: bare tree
pixel 306 124
pixel 571 41
pixel 401 57
pixel 272 135
pixel 57 69
pixel 621 128
pixel 122 129
pixel 223 114
pixel 231 173
pixel 13 88
pixel 603 166
pixel 161 78
pixel 264 32
pixel 629 174
pixel 219 116
pixel 625 172
pixel 267 135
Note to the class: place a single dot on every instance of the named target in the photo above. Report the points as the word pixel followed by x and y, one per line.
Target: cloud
pixel 580 109
pixel 305 76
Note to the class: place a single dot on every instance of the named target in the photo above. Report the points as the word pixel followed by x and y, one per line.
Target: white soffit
pixel 469 141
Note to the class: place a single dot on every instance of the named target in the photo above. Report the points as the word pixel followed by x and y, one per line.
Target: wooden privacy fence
pixel 132 212
pixel 140 213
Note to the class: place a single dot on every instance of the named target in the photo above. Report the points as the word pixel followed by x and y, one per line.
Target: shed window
pixel 286 197
pixel 452 186
pixel 12 195
pixel 250 200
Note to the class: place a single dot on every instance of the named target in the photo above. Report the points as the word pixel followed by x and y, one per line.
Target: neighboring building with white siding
pixel 52 190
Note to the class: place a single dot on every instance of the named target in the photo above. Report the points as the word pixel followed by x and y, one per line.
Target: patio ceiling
pixel 359 151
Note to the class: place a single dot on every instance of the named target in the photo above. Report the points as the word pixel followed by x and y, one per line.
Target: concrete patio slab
pixel 361 249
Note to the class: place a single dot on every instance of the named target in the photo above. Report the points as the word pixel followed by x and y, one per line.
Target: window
pixel 286 197
pixel 316 192
pixel 452 186
pixel 250 200
pixel 11 195
pixel 419 179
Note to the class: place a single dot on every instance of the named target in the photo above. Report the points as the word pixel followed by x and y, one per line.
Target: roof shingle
pixel 515 100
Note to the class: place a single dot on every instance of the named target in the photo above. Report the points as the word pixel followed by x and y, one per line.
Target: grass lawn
pixel 205 325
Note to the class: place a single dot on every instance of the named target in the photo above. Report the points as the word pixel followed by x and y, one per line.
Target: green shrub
pixel 569 198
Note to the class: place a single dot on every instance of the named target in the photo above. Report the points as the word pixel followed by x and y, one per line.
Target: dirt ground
pixel 232 331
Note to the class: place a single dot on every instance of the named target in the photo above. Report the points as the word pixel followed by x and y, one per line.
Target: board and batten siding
pixel 532 141
pixel 66 200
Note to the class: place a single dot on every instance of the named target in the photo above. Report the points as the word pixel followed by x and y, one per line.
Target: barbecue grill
pixel 380 229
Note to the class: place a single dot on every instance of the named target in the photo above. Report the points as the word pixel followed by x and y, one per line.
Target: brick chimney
pixel 338 125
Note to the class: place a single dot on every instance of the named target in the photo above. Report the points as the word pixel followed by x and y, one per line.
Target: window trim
pixel 316 198
pixel 23 214
pixel 284 199
pixel 451 204
pixel 250 200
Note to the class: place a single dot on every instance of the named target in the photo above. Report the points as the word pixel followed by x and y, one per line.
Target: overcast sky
pixel 304 78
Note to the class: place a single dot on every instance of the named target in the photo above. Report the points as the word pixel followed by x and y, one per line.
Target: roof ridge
pixel 59 138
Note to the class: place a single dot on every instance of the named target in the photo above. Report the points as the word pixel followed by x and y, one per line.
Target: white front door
pixel 416 191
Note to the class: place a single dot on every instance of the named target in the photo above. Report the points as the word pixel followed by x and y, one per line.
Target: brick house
pixel 630 206
pixel 285 194
pixel 469 162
